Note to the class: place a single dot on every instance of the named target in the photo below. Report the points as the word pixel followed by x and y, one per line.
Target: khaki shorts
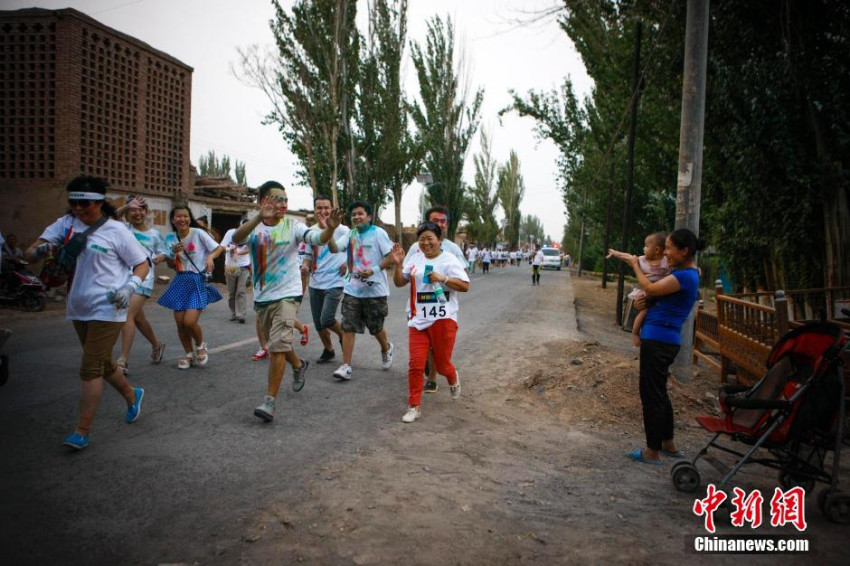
pixel 97 338
pixel 278 322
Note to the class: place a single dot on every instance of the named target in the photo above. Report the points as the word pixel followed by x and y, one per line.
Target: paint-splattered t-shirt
pixel 365 251
pixel 274 256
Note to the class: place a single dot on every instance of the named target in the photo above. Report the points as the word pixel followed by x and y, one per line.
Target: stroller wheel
pixel 686 477
pixel 836 506
pixel 790 480
pixel 678 463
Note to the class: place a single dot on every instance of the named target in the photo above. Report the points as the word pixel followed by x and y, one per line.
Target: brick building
pixel 79 97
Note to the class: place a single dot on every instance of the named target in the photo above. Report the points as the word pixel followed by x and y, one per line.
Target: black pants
pixel 655 360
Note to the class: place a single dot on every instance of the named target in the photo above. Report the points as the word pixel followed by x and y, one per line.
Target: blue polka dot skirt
pixel 188 291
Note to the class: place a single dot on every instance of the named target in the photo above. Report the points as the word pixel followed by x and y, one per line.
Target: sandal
pixel 157 352
pixel 122 363
pixel 186 361
pixel 637 456
pixel 199 359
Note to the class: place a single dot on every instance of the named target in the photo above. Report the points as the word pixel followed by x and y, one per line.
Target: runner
pixel 137 213
pixel 328 281
pixel 237 268
pixel 364 302
pixel 100 291
pixel 432 316
pixel 438 215
pixel 486 256
pixel 189 250
pixel 536 265
pixel 471 256
pixel 273 239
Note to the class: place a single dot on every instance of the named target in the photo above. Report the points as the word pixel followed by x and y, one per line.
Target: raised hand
pixel 335 218
pixel 137 202
pixel 397 253
pixel 268 208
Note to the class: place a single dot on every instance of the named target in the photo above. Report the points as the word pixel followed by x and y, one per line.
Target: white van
pixel 551 258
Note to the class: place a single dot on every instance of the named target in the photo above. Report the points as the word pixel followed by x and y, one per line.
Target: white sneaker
pixel 411 415
pixel 455 389
pixel 387 358
pixel 266 410
pixel 343 372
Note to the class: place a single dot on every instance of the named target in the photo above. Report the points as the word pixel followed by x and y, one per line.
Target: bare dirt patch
pixel 528 467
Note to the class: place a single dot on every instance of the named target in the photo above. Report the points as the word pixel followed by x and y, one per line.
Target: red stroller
pixel 795 414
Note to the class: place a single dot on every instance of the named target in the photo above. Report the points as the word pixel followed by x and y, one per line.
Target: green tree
pixel 239 171
pixel 483 196
pixel 210 164
pixel 445 117
pixel 309 83
pixel 511 190
pixel 389 157
pixel 531 229
pixel 777 133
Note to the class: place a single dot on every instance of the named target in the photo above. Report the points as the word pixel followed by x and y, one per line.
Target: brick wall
pixel 79 97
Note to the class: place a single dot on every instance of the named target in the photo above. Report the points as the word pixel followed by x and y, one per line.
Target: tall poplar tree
pixel 445 116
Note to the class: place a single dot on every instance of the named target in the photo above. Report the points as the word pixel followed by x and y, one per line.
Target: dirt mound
pixel 595 381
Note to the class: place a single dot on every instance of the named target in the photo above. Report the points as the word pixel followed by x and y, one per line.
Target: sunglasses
pixel 281 198
pixel 82 203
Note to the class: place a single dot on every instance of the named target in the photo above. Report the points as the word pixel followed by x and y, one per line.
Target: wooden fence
pixel 741 334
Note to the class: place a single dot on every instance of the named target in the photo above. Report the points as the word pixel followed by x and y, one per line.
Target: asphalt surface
pixel 175 485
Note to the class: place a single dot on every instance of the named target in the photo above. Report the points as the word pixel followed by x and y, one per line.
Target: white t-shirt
pixel 274 255
pixel 364 252
pixel 197 246
pixel 151 240
pixel 101 266
pixel 486 256
pixel 471 254
pixel 538 258
pixel 445 245
pixel 326 276
pixel 423 301
pixel 238 259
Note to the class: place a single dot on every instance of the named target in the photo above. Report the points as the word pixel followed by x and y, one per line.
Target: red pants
pixel 440 339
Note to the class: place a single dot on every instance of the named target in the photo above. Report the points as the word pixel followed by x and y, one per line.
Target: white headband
pixel 74 195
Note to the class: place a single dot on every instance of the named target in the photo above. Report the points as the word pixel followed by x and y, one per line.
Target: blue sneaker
pixel 76 441
pixel 136 408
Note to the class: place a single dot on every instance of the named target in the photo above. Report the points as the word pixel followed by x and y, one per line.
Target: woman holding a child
pixel 671 300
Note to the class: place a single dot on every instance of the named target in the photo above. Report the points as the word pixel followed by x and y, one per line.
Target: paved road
pixel 168 487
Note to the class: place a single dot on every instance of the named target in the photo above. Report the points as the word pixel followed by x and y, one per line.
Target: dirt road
pixel 527 467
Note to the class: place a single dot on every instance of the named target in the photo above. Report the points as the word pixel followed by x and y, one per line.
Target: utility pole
pixel 630 178
pixel 608 220
pixel 689 184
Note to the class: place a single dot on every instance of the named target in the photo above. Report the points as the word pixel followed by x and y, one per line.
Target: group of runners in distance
pixel 500 257
pixel 285 259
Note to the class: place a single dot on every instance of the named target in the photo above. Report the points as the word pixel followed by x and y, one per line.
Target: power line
pixel 117 7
